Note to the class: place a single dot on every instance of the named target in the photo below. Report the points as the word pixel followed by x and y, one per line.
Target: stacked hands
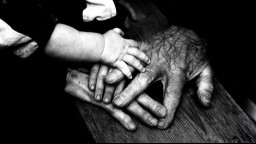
pixel 119 52
pixel 177 56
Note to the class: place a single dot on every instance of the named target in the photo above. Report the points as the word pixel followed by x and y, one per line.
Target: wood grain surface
pixel 224 121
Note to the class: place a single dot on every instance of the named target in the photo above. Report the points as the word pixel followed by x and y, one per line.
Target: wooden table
pixel 224 121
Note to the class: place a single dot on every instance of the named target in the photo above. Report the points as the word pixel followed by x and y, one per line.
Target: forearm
pixel 66 43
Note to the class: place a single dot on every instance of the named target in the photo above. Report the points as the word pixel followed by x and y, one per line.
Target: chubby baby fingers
pixel 139 54
pixel 122 66
pixel 100 85
pixel 93 76
pixel 132 61
pixel 108 95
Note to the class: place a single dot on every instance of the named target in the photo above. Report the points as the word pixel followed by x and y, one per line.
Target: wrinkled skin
pixel 77 85
pixel 177 56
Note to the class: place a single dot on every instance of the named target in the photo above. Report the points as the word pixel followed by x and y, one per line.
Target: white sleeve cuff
pixel 99 9
pixel 9 38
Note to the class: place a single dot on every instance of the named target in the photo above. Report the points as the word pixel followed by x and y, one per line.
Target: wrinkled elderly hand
pixel 77 85
pixel 177 56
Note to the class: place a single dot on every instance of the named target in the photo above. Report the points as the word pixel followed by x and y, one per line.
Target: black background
pixel 35 107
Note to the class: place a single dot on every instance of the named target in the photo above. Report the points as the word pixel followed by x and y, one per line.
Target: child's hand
pixel 119 52
pixel 102 90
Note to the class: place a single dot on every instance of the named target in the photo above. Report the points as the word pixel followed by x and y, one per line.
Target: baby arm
pixel 110 48
pixel 70 44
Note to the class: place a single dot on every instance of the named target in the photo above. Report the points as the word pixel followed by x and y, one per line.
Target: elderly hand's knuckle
pixel 145 115
pixel 133 59
pixel 159 107
pixel 146 77
pixel 138 64
pixel 126 119
pixel 154 106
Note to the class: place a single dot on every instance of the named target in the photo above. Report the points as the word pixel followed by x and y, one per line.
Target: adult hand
pixel 177 56
pixel 77 85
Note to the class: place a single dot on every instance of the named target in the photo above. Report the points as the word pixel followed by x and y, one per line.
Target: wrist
pixel 103 51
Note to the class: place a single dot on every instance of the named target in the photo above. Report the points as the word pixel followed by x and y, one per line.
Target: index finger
pixel 136 87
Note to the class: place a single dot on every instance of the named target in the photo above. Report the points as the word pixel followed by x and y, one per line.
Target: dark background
pixel 35 107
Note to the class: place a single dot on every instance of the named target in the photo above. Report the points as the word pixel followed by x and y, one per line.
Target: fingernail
pixel 161 124
pixel 92 87
pixel 118 102
pixel 143 70
pixel 130 77
pixel 98 97
pixel 162 112
pixel 152 121
pixel 106 100
pixel 131 126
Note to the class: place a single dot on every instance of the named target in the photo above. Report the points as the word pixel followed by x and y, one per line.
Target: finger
pixel 93 76
pixel 145 116
pixel 119 31
pixel 109 92
pixel 77 86
pixel 173 92
pixel 76 90
pixel 123 118
pixel 205 86
pixel 139 54
pixel 120 88
pixel 121 65
pixel 100 85
pixel 154 106
pixel 137 86
pixel 133 43
pixel 132 61
pixel 116 76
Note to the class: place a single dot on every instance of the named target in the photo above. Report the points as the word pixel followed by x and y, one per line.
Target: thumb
pixel 205 86
pixel 173 92
pixel 119 31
